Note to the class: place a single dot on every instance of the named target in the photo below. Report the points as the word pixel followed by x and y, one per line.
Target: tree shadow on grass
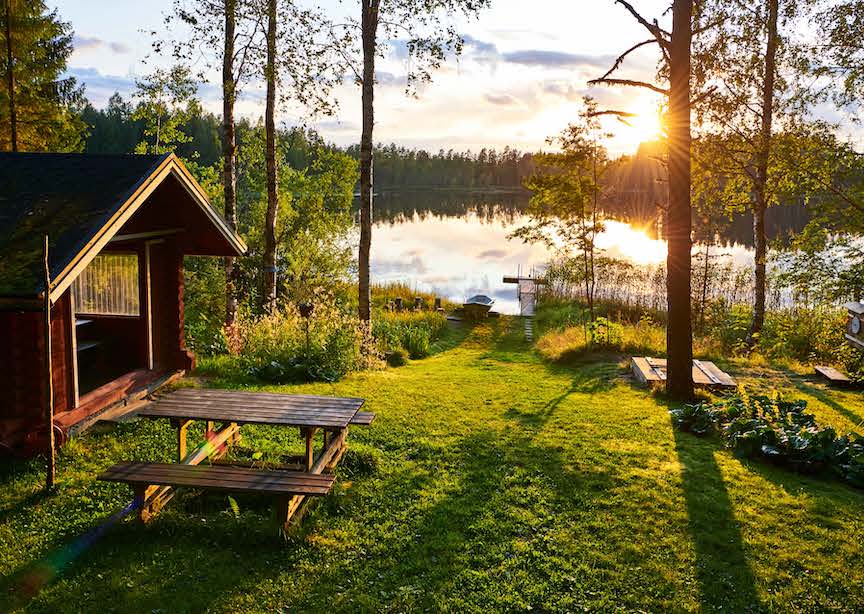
pixel 593 379
pixel 824 397
pixel 726 580
pixel 454 535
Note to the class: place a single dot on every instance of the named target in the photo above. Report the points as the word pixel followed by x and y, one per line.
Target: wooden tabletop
pixel 300 410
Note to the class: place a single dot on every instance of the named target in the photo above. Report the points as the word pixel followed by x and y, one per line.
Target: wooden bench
pixel 147 477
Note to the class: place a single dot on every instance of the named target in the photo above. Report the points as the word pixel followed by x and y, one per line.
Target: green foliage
pixel 781 431
pixel 46 101
pixel 413 331
pixel 275 347
pixel 397 357
pixel 316 183
pixel 565 209
pixel 605 333
pixel 166 100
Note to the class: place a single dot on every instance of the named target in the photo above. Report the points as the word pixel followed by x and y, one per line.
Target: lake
pixel 456 244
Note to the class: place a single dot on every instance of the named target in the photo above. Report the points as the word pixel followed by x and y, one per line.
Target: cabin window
pixel 109 286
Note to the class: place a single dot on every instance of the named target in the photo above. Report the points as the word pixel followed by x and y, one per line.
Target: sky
pixel 520 79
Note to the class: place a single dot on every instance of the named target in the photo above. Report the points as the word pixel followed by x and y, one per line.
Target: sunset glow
pixel 621 240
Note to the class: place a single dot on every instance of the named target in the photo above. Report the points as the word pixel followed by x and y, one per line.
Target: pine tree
pixel 36 103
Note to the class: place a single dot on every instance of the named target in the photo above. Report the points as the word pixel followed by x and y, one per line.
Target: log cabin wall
pixel 166 283
pixel 22 351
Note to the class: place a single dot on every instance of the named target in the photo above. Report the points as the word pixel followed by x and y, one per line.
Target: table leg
pixel 182 426
pixel 310 452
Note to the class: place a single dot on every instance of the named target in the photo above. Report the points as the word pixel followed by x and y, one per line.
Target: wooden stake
pixel 49 401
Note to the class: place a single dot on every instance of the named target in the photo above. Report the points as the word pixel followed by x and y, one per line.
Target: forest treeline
pixel 116 129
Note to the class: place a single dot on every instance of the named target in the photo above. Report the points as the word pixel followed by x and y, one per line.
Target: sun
pixel 645 125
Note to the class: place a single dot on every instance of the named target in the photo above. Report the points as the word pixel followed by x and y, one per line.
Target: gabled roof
pixel 80 201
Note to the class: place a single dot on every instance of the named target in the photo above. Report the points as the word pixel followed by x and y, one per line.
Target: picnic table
pixel 154 483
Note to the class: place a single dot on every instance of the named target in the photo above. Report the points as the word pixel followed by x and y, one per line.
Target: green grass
pixel 490 481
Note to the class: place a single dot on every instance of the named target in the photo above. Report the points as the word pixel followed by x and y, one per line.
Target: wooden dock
pixel 706 374
pixel 526 293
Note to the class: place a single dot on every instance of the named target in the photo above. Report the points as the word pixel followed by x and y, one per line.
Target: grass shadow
pixel 824 397
pixel 725 577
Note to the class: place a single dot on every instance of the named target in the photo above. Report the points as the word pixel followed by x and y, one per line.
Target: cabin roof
pixel 79 201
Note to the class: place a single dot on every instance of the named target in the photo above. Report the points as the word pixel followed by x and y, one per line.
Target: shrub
pixel 417 341
pixel 397 357
pixel 274 347
pixel 412 330
pixel 778 430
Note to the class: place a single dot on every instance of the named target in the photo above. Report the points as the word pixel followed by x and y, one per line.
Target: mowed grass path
pixel 490 481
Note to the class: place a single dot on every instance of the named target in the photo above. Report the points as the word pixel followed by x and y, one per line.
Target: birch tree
pixel 218 34
pixel 427 29
pixel 760 99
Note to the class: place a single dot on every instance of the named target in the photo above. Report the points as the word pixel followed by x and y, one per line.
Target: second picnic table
pixel 330 415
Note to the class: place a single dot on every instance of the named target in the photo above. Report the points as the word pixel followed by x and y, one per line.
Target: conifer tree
pixel 36 102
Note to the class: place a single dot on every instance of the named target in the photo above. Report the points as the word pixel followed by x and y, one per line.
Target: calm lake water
pixel 457 245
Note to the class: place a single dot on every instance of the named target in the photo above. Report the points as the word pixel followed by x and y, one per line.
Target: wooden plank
pixel 307 399
pixel 855 341
pixel 227 406
pixel 833 375
pixel 246 418
pixel 648 370
pixel 233 479
pixel 719 377
pixel 363 418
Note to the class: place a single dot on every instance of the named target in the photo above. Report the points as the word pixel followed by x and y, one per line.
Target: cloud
pixel 556 59
pixel 99 87
pixel 93 43
pixel 493 254
pixel 503 100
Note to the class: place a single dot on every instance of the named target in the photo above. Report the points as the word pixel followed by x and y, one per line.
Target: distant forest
pixel 113 130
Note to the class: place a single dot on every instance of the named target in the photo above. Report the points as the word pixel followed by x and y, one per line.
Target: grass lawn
pixel 490 481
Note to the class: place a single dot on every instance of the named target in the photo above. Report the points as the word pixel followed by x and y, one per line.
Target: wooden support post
pixel 145 510
pixel 182 427
pixel 310 454
pixel 49 379
pixel 288 510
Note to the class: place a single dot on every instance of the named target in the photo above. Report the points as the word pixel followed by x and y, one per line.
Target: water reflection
pixel 456 244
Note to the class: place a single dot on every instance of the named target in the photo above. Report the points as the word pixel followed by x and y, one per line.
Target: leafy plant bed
pixel 777 430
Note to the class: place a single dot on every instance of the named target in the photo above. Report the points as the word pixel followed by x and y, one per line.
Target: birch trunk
pixel 229 153
pixel 269 298
pixel 760 187
pixel 369 25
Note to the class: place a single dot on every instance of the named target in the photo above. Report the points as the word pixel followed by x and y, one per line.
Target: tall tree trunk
pixel 369 26
pixel 10 79
pixel 760 187
pixel 679 331
pixel 272 197
pixel 229 153
pixel 705 272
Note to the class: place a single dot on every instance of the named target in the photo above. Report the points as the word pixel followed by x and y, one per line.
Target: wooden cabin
pixel 118 228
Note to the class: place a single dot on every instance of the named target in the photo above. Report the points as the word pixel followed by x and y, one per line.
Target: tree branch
pixel 621 57
pixel 631 83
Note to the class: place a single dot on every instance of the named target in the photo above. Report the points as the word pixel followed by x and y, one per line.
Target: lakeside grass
pixel 491 480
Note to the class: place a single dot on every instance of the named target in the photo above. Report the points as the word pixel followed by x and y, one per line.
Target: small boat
pixel 478 306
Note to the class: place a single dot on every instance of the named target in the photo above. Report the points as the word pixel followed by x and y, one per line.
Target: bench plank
pixel 220 477
pixel 363 418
